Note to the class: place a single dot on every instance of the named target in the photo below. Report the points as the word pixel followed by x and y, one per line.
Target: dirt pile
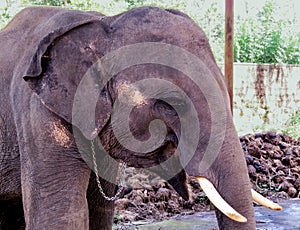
pixel 273 162
pixel 150 197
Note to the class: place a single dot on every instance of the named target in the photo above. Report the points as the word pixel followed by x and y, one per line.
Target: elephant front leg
pixel 54 191
pixel 54 177
pixel 101 211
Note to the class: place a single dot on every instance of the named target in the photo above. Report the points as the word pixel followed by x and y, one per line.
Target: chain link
pixel 122 172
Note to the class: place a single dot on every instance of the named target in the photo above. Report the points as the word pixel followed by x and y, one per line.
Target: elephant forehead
pixel 130 94
pixel 60 134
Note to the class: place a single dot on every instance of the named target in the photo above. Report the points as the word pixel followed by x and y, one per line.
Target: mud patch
pixel 60 134
pixel 130 94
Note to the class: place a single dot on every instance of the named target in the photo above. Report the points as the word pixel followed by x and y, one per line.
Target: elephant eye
pixel 171 105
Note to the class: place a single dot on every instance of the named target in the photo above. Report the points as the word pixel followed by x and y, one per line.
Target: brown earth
pixel 273 162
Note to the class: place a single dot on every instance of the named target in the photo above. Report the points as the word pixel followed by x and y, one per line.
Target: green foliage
pixel 134 3
pixel 49 2
pixel 263 40
pixel 212 22
pixel 5 14
pixel 293 125
pixel 76 4
pixel 82 5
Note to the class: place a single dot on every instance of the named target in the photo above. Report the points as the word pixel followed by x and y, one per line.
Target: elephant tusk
pixel 264 201
pixel 218 201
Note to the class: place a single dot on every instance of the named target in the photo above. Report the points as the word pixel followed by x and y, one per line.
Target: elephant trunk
pixel 230 176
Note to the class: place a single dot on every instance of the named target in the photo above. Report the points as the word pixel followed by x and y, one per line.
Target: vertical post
pixel 229 54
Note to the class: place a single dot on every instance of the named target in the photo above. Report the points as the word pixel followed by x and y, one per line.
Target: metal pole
pixel 229 55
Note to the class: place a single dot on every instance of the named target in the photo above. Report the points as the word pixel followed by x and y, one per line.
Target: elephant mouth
pixel 169 169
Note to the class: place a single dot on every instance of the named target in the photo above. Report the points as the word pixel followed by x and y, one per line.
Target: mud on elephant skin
pixel 45 54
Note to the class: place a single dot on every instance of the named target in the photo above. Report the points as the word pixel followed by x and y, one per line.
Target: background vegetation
pixel 293 125
pixel 260 38
pixel 266 40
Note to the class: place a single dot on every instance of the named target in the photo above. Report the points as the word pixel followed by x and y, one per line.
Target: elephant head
pixel 143 84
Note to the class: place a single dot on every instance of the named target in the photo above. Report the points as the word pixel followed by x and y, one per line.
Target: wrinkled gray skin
pixel 44 55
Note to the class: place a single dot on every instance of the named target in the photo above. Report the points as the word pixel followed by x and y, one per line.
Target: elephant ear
pixel 57 58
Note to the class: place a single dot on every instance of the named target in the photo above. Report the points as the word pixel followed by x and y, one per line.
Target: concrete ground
pixel 287 219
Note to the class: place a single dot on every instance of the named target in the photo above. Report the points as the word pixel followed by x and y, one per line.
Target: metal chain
pixel 122 171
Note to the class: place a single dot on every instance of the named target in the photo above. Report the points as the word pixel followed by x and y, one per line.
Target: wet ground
pixel 287 219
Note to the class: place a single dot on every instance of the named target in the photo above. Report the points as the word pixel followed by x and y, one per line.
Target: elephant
pixel 59 165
